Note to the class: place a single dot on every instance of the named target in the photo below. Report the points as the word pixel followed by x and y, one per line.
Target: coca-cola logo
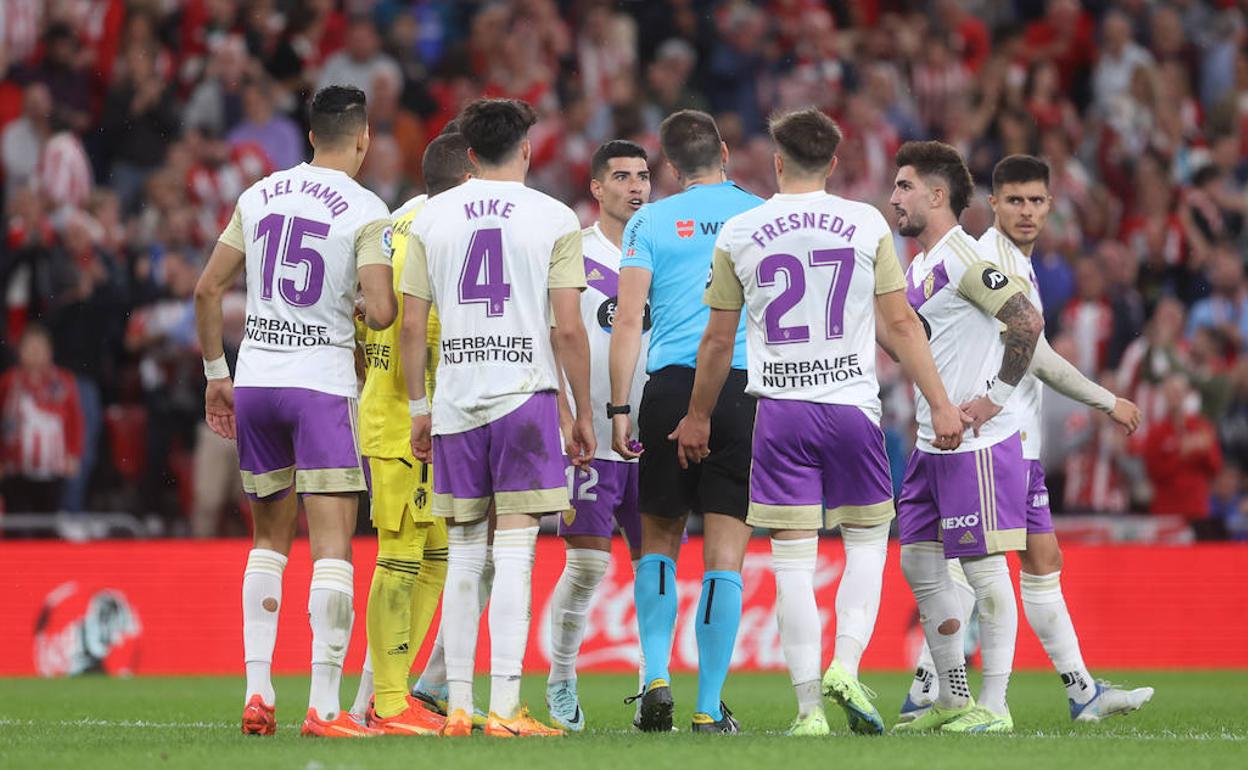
pixel 611 639
pixel 79 632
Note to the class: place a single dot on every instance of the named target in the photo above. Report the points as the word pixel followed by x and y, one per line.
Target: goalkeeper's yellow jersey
pixel 385 427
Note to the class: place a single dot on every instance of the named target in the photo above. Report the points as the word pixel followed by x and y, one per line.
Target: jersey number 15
pixel 274 232
pixel 840 261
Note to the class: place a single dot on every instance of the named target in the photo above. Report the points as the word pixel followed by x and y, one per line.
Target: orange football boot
pixel 342 726
pixel 521 726
pixel 458 724
pixel 414 720
pixel 259 718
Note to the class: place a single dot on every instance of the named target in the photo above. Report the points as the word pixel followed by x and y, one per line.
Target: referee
pixel 667 258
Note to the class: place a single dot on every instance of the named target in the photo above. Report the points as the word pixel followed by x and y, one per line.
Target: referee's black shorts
pixel 721 483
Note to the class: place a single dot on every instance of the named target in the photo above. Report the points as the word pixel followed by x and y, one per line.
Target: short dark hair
pixel 806 137
pixel 494 128
pixel 690 140
pixel 942 160
pixel 451 127
pixel 445 163
pixel 616 148
pixel 1017 169
pixel 337 113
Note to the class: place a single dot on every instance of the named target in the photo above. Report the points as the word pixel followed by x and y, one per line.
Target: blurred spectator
pixel 216 104
pixel 1182 454
pixel 1224 312
pixel 1214 211
pixel 139 124
pixel 1121 273
pixel 1117 60
pixel 23 139
pixel 359 61
pixel 1088 318
pixel 1228 505
pixel 267 128
pixel 40 427
pixel 63 70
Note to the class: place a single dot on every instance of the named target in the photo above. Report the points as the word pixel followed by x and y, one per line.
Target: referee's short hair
pixel 807 138
pixel 690 141
pixel 943 161
pixel 445 163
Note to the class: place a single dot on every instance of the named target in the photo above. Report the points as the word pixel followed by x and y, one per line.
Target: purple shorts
pixel 816 466
pixel 974 502
pixel 517 461
pixel 603 495
pixel 293 437
pixel 1039 517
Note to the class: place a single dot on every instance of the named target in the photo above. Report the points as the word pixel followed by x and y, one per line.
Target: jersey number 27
pixel 840 261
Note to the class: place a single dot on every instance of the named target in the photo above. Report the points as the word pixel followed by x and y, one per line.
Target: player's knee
pixel 1044 560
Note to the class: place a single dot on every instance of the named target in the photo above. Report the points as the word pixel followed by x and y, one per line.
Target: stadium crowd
pixel 128 129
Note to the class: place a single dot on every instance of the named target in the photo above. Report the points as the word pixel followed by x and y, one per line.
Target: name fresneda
pixel 272 331
pixel 805 374
pixel 487 348
pixel 807 220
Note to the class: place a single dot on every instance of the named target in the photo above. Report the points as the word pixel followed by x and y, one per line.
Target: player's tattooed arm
pixel 1023 326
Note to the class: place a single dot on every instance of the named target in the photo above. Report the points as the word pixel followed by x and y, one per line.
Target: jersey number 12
pixel 841 261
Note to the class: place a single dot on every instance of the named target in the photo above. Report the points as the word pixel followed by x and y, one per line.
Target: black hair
pixel 337 113
pixel 445 163
pixel 616 148
pixel 940 160
pixel 495 128
pixel 1016 169
pixel 690 140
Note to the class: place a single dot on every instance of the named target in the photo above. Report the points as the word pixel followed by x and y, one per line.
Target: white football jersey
pixel 956 293
pixel 305 232
pixel 808 267
pixel 602 273
pixel 486 253
pixel 1029 394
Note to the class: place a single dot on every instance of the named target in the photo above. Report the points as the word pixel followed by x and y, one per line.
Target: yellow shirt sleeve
pixel 888 275
pixel 373 244
pixel 725 291
pixel 567 262
pixel 987 288
pixel 232 235
pixel 415 277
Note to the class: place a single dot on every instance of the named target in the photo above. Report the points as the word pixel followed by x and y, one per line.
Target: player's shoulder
pixel 367 205
pixel 409 208
pixel 959 249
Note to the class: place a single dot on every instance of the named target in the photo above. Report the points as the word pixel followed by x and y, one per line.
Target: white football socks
pixel 331 614
pixel 1046 612
pixel 509 616
pixel 925 688
pixel 583 571
pixel 434 675
pixel 858 596
pixel 939 614
pixel 262 598
pixel 364 693
pixel 998 626
pixel 797 616
pixel 461 609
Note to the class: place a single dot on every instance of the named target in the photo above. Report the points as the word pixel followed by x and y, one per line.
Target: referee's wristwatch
pixel 613 410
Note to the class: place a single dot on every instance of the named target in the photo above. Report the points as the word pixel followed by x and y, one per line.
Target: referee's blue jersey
pixel 674 239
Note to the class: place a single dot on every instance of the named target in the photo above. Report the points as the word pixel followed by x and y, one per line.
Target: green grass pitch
pixel 1196 720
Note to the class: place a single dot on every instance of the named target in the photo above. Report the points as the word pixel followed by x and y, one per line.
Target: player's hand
pixel 219 407
pixel 583 444
pixel 422 438
pixel 622 438
pixel 693 438
pixel 566 424
pixel 1126 414
pixel 981 410
pixel 949 422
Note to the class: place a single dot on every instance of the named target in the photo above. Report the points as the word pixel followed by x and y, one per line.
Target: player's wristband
pixel 613 410
pixel 1000 392
pixel 418 407
pixel 216 369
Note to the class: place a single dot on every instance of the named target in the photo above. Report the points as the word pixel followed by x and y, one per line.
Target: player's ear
pixel 723 153
pixel 595 189
pixel 832 168
pixel 526 150
pixel 473 159
pixel 777 161
pixel 312 140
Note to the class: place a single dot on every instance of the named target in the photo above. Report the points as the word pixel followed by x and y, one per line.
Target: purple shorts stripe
pixel 975 502
pixel 602 497
pixel 1039 517
pixel 817 454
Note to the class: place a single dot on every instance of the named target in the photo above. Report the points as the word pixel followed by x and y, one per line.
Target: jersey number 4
pixel 274 232
pixel 840 261
pixel 481 280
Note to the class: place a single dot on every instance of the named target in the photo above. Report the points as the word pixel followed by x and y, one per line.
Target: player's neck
pixel 506 172
pixel 934 231
pixel 612 229
pixel 1026 248
pixel 710 176
pixel 335 161
pixel 799 186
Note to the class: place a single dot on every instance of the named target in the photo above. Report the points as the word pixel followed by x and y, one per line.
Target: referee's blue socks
pixel 719 615
pixel 654 593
